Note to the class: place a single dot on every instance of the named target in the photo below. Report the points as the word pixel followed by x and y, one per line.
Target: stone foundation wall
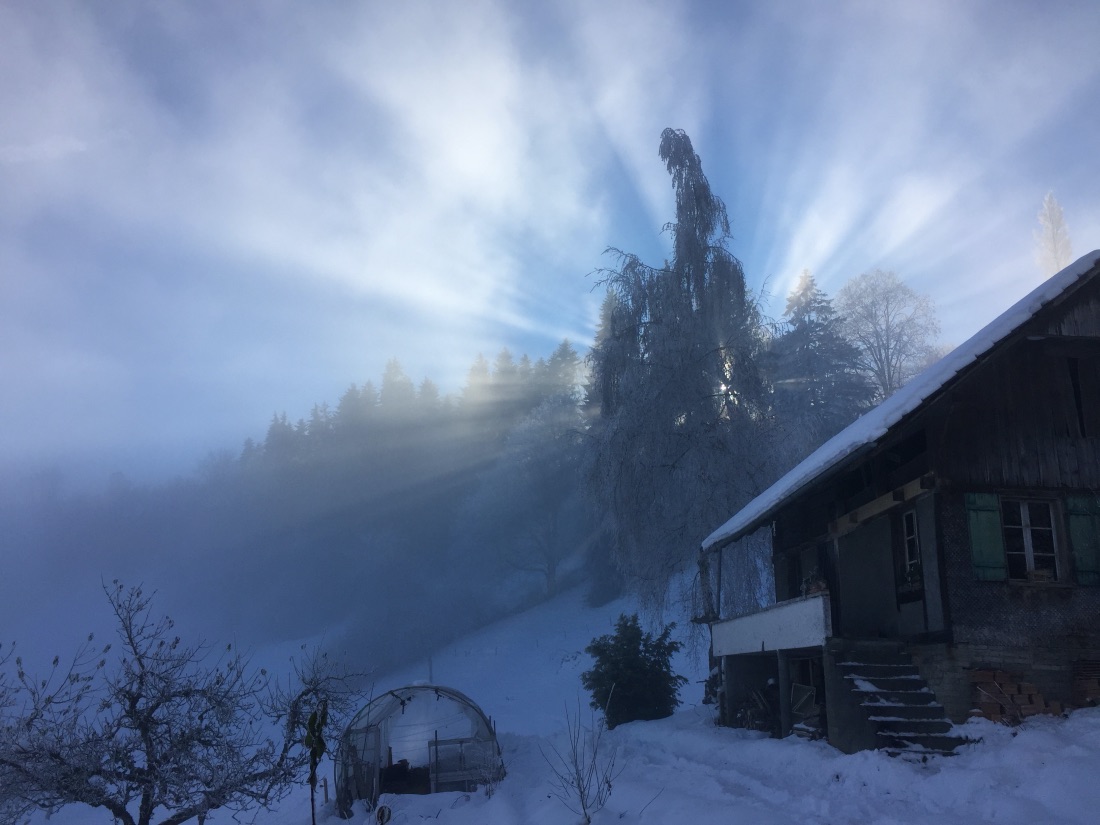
pixel 947 668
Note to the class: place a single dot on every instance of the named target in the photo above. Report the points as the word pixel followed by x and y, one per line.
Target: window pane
pixel 1014 540
pixel 1010 513
pixel 912 551
pixel 1042 541
pixel 1039 513
pixel 910 521
pixel 1017 566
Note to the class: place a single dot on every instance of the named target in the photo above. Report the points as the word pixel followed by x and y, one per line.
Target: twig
pixel 646 805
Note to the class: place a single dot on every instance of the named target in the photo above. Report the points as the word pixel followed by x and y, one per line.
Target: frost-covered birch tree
pixel 679 442
pixel 1053 250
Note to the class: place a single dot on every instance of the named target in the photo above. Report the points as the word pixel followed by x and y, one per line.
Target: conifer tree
pixel 632 677
pixel 283 442
pixel 349 407
pixel 428 399
pixel 600 371
pixel 562 372
pixel 398 393
pixel 814 369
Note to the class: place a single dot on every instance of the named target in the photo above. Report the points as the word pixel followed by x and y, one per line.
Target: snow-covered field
pixel 685 770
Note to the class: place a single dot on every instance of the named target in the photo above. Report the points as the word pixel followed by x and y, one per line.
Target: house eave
pixel 767 515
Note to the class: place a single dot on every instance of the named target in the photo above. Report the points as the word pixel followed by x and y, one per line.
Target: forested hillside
pixel 391 499
pixel 395 517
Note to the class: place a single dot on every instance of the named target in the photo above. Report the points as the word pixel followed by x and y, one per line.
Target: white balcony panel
pixel 796 623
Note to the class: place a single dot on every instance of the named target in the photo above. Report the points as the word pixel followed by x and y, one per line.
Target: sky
pixel 212 212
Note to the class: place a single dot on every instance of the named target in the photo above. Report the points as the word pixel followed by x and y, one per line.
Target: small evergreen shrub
pixel 632 678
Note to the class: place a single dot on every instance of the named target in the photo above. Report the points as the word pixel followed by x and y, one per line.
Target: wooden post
pixel 784 693
pixel 725 712
pixel 433 762
pixel 718 588
pixel 324 784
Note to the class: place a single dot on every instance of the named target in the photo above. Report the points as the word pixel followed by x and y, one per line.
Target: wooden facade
pixel 1024 421
pixel 970 531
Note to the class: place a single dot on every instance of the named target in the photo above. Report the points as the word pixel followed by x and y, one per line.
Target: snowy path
pixel 684 770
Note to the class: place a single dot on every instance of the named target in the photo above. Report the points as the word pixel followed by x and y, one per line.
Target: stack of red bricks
pixel 1005 697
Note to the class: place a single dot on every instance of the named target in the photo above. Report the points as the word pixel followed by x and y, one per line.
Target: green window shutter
pixel 987 548
pixel 1083 515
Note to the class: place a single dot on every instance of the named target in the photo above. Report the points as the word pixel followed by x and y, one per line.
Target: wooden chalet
pixel 940 557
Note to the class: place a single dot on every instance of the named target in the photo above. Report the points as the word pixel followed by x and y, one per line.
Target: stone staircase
pixel 907 719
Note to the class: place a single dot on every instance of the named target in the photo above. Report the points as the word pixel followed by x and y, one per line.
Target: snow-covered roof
pixel 866 431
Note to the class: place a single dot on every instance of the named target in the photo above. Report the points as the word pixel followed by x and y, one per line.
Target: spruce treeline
pixel 401 516
pixel 403 497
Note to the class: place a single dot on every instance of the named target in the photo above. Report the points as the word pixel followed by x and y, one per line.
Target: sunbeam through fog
pixel 212 213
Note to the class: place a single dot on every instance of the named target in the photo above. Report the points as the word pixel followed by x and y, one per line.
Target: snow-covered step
pixel 898 703
pixel 916 753
pixel 901 681
pixel 902 725
pixel 895 696
pixel 871 670
pixel 915 741
pixel 928 710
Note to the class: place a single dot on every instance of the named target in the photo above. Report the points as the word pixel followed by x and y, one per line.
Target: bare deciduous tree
pixel 161 731
pixel 14 807
pixel 1053 250
pixel 893 325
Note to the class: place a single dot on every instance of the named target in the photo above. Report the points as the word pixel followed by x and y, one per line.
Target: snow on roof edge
pixel 873 425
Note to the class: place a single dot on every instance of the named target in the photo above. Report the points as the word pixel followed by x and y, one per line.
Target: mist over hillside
pixel 384 522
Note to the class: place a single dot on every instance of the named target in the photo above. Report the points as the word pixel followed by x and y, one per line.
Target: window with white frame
pixel 912 542
pixel 1030 540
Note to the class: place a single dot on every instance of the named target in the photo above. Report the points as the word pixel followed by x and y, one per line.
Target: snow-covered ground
pixel 526 670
